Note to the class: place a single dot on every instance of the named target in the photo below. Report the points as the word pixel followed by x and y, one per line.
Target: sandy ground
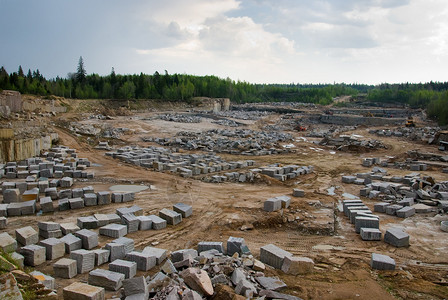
pixel 311 227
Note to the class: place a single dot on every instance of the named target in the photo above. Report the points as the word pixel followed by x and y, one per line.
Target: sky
pixel 257 41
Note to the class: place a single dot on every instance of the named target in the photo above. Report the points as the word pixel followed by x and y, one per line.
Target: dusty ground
pixel 310 228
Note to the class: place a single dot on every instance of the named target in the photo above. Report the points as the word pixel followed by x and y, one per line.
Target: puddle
pixel 128 188
pixel 330 191
pixel 327 247
pixel 349 196
pixel 95 165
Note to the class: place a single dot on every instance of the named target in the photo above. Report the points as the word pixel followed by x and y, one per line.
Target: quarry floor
pixel 313 226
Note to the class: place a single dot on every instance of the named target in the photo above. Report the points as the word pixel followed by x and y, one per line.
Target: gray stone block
pixel 27 236
pixel 18 259
pixel 157 222
pixel 65 268
pixel 285 200
pixel 85 260
pixel 46 204
pixel 3 222
pixel 405 212
pixel 82 291
pixel 107 279
pixel 366 222
pixel 114 230
pixel 205 246
pixel 131 222
pixel 298 193
pixel 270 283
pixel 396 237
pixel 348 203
pixel 63 204
pixel 7 242
pixel 89 238
pixel 380 207
pixel 392 209
pixel 127 197
pixel 50 233
pixel 71 243
pixel 11 196
pixel 170 216
pixel 48 226
pixel 89 222
pixel 273 255
pixel 128 268
pixel 236 245
pixel 103 197
pixel 90 199
pixel 55 248
pixel 44 279
pixel 145 223
pixel 117 197
pixel 297 265
pixel 3 210
pixel 76 203
pixel 34 255
pixel 370 234
pixel 136 286
pixel 102 219
pixel 66 182
pixel 145 260
pixel 160 254
pixel 129 243
pixel 183 254
pixel 348 179
pixel 184 209
pixel 77 193
pixel 272 204
pixel 382 262
pixel 101 256
pixel 114 218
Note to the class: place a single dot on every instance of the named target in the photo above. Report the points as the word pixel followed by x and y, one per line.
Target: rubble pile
pixel 332 131
pixel 180 118
pixel 241 141
pixel 243 115
pixel 351 143
pixel 423 134
pixel 115 133
pixel 228 123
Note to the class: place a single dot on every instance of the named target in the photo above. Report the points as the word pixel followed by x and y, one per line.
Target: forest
pixel 432 96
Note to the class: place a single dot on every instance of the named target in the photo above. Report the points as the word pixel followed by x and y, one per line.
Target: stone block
pixel 113 230
pixel 136 286
pixel 85 260
pixel 89 238
pixel 50 233
pixel 3 210
pixel 11 196
pixel 34 255
pixel 46 204
pixel 285 200
pixel 44 279
pixel 297 265
pixel 170 216
pixel 77 193
pixel 18 259
pixel 27 236
pixel 272 204
pixel 90 199
pixel 128 268
pixel 145 260
pixel 7 242
pixel 382 262
pixel 131 222
pixel 21 208
pixel 103 197
pixel 127 242
pixel 160 254
pixel 405 212
pixel 366 222
pixel 236 245
pixel 157 222
pixel 66 182
pixel 48 226
pixel 117 251
pixel 71 242
pixel 380 207
pixel 63 204
pixel 298 193
pixel 348 179
pixel 89 222
pixel 145 223
pixel 270 283
pixel 183 254
pixel 273 255
pixel 205 246
pixel 65 268
pixel 184 209
pixel 3 222
pixel 396 237
pixel 128 196
pixel 103 219
pixel 76 203
pixel 117 197
pixel 392 209
pixel 107 279
pixel 114 218
pixel 101 256
pixel 82 291
pixel 370 234
pixel 69 228
pixel 55 248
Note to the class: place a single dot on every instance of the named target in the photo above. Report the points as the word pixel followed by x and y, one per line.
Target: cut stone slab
pixel 117 251
pixel 198 280
pixel 145 223
pixel 184 209
pixel 107 279
pixel 406 212
pixel 270 283
pixel 85 260
pixel 272 204
pixel 71 242
pixel 128 268
pixel 204 246
pixel 88 237
pixel 396 237
pixel 297 265
pixel 366 222
pixel 170 216
pixel 89 222
pixel 392 209
pixel 7 242
pixel 127 242
pixel 82 291
pixel 422 208
pixel 114 218
pixel 3 210
pixel 50 234
pixel 46 204
pixel 131 222
pixel 157 222
pixel 114 230
pixel 65 268
pixel 298 193
pixel 48 226
pixel 90 199
pixel 68 228
pixel 76 203
pixel 370 234
pixel 55 248
pixel 380 207
pixel 63 204
pixel 11 196
pixel 237 245
pixel 285 200
pixel 145 261
pixel 273 255
pixel 103 197
pixel 34 255
pixel 160 254
pixel 136 286
pixel 103 219
pixel 101 256
pixel 27 236
pixel 382 262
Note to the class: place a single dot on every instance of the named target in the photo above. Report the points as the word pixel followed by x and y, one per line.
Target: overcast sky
pixel 259 41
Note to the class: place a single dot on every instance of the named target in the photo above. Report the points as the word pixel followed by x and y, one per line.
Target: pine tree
pixel 81 71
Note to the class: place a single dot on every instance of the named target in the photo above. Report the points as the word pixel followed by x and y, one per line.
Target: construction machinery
pixel 410 122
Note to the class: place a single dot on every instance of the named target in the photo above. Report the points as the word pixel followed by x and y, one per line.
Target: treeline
pixel 166 86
